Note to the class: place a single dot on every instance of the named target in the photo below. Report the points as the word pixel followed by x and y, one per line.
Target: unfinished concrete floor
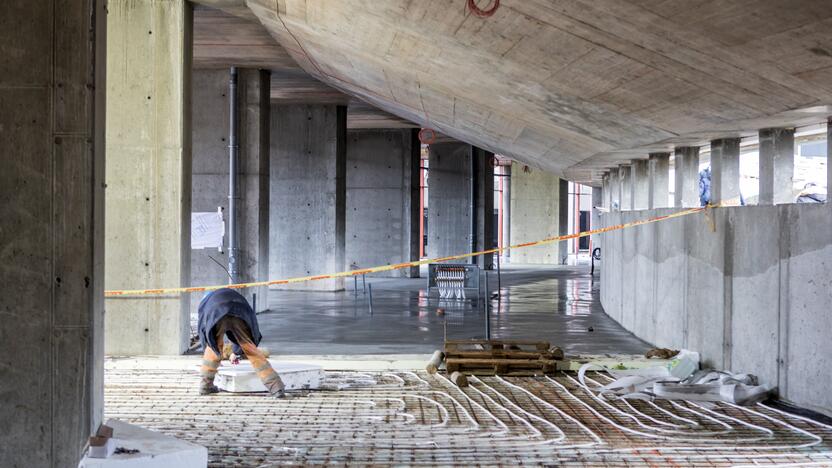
pixel 558 304
pixel 411 418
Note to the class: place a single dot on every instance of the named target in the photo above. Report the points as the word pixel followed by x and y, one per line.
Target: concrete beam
pixel 52 210
pixel 308 194
pixel 625 176
pixel 659 180
pixel 148 215
pixel 725 171
pixel 209 188
pixel 686 165
pixel 776 166
pixel 535 208
pixel 382 216
pixel 641 184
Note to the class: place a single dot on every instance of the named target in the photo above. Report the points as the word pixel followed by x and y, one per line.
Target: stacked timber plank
pixel 501 357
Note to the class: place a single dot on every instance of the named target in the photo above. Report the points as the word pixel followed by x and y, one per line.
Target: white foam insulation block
pixel 154 450
pixel 242 378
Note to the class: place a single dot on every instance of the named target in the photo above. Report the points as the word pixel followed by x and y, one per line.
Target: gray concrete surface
pixel 776 165
pixel 307 193
pixel 148 208
pixel 625 177
pixel 747 287
pixel 534 214
pixel 686 167
pixel 725 171
pixel 382 217
pixel 554 303
pixel 209 183
pixel 461 194
pixel 659 180
pixel 641 184
pixel 52 72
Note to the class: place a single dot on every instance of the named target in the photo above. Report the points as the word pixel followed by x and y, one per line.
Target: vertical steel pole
pixel 232 177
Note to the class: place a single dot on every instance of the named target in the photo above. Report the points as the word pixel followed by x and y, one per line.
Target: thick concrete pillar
pixel 659 183
pixel 148 206
pixel 776 166
pixel 641 184
pixel 563 220
pixel 625 176
pixel 210 176
pixel 829 161
pixel 615 190
pixel 461 199
pixel 595 223
pixel 686 165
pixel 534 214
pixel 506 178
pixel 51 233
pixel 485 237
pixel 605 184
pixel 382 217
pixel 308 194
pixel 725 171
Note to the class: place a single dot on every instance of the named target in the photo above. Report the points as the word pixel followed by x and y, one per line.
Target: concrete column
pixel 51 233
pixel 615 190
pixel 382 217
pixel 506 210
pixel 829 161
pixel 686 165
pixel 725 171
pixel 563 220
pixel 597 202
pixel 659 180
pixel 457 200
pixel 308 194
pixel 625 175
pixel 605 184
pixel 486 237
pixel 148 219
pixel 210 176
pixel 535 206
pixel 776 166
pixel 641 184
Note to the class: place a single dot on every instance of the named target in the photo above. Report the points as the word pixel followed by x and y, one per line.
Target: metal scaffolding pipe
pixel 233 148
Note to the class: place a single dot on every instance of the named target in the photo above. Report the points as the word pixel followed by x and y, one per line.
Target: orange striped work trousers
pixel 238 328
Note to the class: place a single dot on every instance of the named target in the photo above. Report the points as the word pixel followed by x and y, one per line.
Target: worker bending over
pixel 226 312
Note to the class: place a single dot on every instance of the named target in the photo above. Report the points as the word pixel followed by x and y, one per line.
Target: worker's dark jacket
pixel 225 303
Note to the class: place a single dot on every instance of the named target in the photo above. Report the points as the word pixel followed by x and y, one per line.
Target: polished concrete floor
pixel 558 304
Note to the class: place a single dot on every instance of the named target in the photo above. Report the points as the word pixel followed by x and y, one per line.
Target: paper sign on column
pixel 207 230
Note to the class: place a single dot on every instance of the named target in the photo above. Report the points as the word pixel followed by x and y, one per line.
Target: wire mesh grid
pixel 419 419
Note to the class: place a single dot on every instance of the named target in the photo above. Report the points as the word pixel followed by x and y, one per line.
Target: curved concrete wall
pixel 750 288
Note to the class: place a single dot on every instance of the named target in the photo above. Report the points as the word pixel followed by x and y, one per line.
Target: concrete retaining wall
pixel 750 288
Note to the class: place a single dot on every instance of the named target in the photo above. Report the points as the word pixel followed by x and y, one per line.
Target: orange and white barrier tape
pixel 399 266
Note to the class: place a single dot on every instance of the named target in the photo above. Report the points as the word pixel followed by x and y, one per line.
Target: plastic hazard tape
pixel 399 266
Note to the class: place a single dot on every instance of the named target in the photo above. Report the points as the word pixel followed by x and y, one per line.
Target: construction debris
pixel 435 362
pixel 501 357
pixel 459 379
pixel 661 353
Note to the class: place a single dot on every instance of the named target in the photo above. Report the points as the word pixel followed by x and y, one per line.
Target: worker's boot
pixel 208 389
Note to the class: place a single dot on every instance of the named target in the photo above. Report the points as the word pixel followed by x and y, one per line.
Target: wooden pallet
pixel 501 357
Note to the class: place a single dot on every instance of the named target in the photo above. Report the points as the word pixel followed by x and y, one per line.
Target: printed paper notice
pixel 207 230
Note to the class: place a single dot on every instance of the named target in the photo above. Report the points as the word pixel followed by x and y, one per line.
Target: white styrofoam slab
pixel 155 450
pixel 242 378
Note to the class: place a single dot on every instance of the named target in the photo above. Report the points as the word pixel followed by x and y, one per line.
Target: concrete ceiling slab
pixel 571 86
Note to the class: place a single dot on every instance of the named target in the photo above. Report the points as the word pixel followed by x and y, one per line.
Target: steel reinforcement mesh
pixel 407 418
